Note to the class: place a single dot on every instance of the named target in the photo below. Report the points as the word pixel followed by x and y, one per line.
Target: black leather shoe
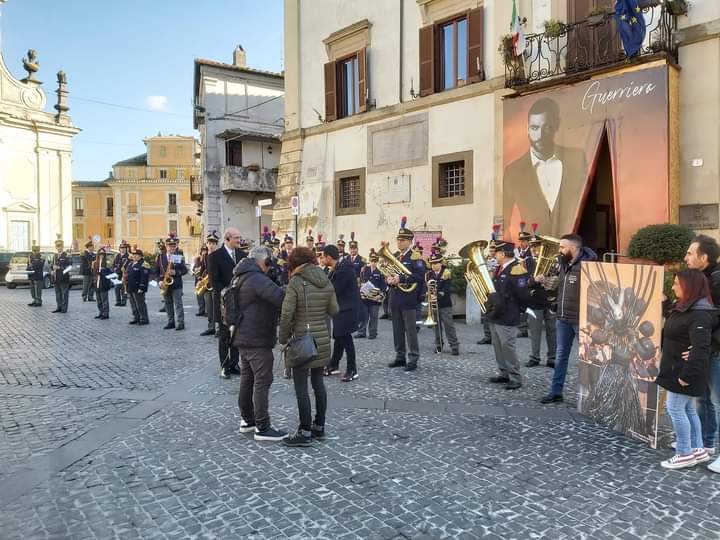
pixel 162 310
pixel 32 304
pixel 56 311
pixel 532 363
pixel 104 317
pixel 180 326
pixel 550 364
pixel 485 341
pixel 499 380
pixel 411 367
pixel 456 352
pixel 168 326
pixel 134 321
pixel 513 386
pixel 144 322
pixel 208 332
pixel 201 314
pixel 397 363
pixel 233 370
pixel 98 317
pixel 551 398
pixel 118 304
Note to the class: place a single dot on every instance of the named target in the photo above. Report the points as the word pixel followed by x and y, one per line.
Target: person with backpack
pixel 220 265
pixel 252 317
pixel 309 301
pixel 688 327
pixel 703 254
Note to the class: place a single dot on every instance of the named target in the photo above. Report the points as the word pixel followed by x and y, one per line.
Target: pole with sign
pixel 295 205
pixel 258 214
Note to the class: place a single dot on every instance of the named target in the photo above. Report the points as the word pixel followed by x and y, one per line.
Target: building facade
pixel 145 198
pixel 239 115
pixel 421 108
pixel 35 161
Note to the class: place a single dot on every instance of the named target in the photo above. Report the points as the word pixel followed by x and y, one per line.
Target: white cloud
pixel 156 103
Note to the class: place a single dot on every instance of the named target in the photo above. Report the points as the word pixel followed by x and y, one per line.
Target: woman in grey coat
pixel 308 281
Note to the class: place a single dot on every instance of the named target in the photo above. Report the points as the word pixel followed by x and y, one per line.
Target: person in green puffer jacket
pixel 307 280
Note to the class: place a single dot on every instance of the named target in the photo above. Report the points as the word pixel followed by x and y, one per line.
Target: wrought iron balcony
pixel 587 46
pixel 196 188
pixel 234 178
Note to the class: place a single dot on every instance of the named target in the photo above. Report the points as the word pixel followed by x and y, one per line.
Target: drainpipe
pixel 400 65
pixel 37 182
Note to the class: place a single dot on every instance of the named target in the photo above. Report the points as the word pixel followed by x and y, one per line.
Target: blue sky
pixel 135 53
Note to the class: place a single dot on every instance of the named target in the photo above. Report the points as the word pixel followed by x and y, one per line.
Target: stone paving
pixel 112 431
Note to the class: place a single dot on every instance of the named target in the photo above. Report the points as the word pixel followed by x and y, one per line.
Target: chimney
pixel 239 57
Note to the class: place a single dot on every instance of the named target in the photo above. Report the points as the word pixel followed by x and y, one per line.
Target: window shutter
pixel 427 60
pixel 476 36
pixel 330 94
pixel 362 78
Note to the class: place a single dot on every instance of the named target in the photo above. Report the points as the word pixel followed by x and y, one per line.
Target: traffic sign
pixel 258 211
pixel 295 205
pixel 265 202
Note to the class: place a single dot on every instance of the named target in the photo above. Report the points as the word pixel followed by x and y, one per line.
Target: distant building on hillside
pixel 239 114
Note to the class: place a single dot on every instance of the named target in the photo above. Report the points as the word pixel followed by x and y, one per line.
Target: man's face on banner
pixel 541 132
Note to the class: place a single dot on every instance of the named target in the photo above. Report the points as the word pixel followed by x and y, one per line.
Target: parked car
pixel 5 257
pixel 17 272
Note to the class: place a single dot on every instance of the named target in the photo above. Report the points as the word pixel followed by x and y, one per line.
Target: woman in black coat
pixel 688 328
pixel 345 322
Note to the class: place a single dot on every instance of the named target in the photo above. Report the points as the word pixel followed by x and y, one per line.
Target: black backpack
pixel 230 302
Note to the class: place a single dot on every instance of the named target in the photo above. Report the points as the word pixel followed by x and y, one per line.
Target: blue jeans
pixel 685 421
pixel 565 334
pixel 709 404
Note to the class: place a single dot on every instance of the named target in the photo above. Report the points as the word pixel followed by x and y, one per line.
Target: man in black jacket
pixel 221 264
pixel 35 268
pixel 255 335
pixel 86 260
pixel 504 308
pixel 703 255
pixel 567 327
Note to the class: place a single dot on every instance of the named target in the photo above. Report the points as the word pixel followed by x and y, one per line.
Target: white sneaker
pixel 679 462
pixel 710 451
pixel 715 466
pixel 247 428
pixel 701 456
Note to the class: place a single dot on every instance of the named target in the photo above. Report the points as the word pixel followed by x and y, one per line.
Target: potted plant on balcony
pixel 597 16
pixel 554 28
pixel 506 46
pixel 677 7
pixel 253 167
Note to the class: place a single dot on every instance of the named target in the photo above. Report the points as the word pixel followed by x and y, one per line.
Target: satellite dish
pixel 96 239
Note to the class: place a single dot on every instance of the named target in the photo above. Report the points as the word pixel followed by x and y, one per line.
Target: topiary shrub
pixel 663 244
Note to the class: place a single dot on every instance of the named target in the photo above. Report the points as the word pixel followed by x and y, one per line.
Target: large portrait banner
pixel 620 326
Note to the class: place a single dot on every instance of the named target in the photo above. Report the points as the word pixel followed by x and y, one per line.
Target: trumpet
pixel 390 266
pixel 477 273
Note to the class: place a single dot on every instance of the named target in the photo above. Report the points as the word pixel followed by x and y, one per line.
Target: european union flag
pixel 631 25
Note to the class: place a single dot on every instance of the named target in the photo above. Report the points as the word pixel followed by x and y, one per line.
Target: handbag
pixel 301 350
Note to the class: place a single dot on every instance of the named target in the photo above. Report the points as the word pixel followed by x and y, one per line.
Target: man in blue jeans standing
pixel 703 255
pixel 571 255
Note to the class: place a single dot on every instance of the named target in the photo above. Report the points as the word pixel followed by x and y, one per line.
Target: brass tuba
pixel 477 273
pixel 389 266
pixel 546 264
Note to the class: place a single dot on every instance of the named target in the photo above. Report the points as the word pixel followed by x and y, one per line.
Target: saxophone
pixel 167 279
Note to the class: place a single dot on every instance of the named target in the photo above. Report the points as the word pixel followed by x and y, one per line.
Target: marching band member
pixel 417 253
pixel 287 248
pixel 102 285
pixel 161 249
pixel 340 244
pixel 371 273
pixel 492 265
pixel 443 279
pixel 354 258
pixel 404 303
pixel 137 284
pixel 61 278
pixel 211 241
pixel 522 252
pixel 541 315
pixel 119 264
pixel 35 267
pixel 310 241
pixel 86 260
pixel 198 269
pixel 174 292
pixel 504 308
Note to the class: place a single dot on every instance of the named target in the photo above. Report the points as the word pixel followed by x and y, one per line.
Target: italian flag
pixel 518 39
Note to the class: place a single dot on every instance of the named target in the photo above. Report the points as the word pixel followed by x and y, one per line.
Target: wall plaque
pixel 699 216
pixel 397 189
pixel 398 144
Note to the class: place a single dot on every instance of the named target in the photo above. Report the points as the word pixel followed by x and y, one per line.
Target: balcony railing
pixel 196 188
pixel 587 46
pixel 234 178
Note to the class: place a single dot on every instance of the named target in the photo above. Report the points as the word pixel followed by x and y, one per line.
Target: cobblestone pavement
pixel 112 431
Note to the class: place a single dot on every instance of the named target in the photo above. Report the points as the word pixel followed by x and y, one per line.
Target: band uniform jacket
pixel 138 276
pixel 444 285
pixel 61 262
pixel 220 269
pixel 408 300
pixel 348 298
pixel 538 294
pixel 120 263
pixel 36 265
pixel 511 296
pixel 522 189
pixel 376 278
pixel 86 260
pixel 180 270
pixel 357 263
pixel 102 282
